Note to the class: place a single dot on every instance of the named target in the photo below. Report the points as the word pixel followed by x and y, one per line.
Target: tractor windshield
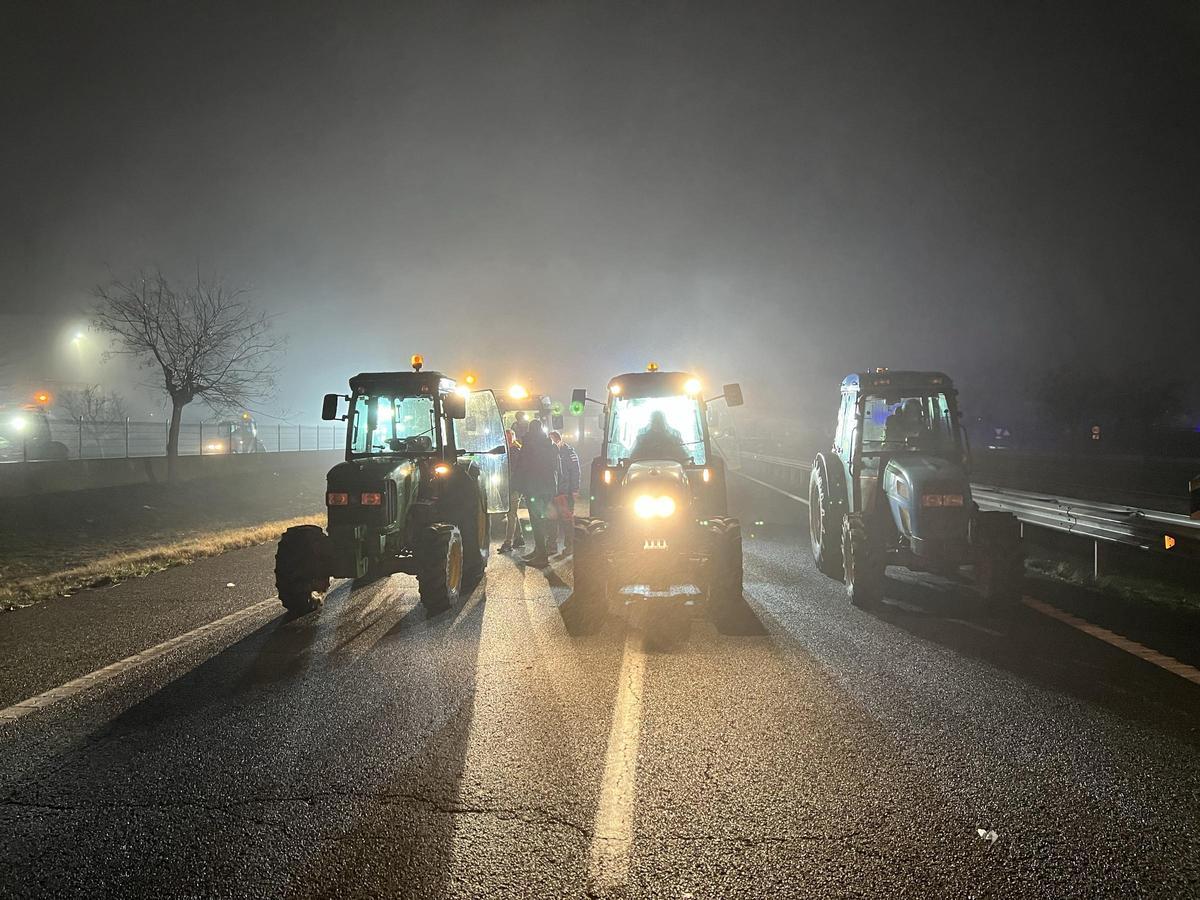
pixel 383 425
pixel 656 428
pixel 897 423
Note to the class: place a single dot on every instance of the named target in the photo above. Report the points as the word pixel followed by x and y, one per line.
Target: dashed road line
pixel 78 685
pixel 1169 663
pixel 612 836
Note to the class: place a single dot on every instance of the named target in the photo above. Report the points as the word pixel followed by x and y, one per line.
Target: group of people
pixel 544 469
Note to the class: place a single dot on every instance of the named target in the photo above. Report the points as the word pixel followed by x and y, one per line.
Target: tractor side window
pixel 656 428
pixel 384 425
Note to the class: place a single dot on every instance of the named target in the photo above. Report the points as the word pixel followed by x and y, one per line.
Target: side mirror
pixel 733 395
pixel 557 423
pixel 498 450
pixel 578 398
pixel 454 405
pixel 329 407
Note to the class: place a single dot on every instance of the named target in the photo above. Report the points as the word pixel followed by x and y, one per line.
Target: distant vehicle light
pixel 18 423
pixel 42 398
pixel 518 392
pixel 214 447
pixel 692 386
pixel 441 469
pixel 469 379
pixel 337 498
pixel 372 498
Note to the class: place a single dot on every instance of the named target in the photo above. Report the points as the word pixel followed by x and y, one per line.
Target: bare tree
pixel 207 340
pixel 101 413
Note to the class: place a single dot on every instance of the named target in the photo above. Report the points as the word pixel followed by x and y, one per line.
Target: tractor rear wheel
pixel 725 570
pixel 863 566
pixel 824 523
pixel 999 564
pixel 302 567
pixel 584 611
pixel 439 567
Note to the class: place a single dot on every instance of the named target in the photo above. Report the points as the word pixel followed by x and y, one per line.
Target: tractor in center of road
pixel 426 462
pixel 895 490
pixel 658 515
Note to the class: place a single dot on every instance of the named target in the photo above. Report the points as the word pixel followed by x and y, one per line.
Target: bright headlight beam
pixel 647 507
pixel 692 386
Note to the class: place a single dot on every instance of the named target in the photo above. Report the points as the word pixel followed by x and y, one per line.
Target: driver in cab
pixel 658 440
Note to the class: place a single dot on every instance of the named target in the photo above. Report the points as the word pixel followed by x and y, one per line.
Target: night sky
pixel 557 191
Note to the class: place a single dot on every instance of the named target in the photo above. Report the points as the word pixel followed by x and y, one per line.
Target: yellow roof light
pixel 417 361
pixel 652 367
pixel 42 398
pixel 692 385
pixel 517 392
pixel 469 378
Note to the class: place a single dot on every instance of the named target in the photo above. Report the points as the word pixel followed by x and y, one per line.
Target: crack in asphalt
pixel 383 798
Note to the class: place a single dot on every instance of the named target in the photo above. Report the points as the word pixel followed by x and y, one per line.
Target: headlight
pixel 648 507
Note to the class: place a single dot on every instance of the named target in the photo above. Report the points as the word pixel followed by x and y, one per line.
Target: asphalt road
pixel 370 750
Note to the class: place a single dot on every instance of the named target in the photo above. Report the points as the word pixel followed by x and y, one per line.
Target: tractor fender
pixel 834 473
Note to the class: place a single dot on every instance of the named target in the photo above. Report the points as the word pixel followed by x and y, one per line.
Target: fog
pixel 558 192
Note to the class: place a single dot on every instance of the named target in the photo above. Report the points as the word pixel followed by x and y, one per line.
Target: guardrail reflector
pixel 1168 542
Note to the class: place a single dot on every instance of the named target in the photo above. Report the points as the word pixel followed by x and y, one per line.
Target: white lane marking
pixel 612 836
pixel 1172 665
pixel 769 486
pixel 78 685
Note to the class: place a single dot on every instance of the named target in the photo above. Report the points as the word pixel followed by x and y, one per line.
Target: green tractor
pixel 658 515
pixel 895 490
pixel 426 463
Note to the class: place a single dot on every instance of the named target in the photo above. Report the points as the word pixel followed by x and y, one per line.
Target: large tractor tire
pixel 465 506
pixel 862 564
pixel 302 567
pixel 825 513
pixel 999 560
pixel 727 604
pixel 439 554
pixel 584 611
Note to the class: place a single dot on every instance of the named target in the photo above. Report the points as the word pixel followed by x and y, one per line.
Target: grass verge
pixel 1128 588
pixel 118 567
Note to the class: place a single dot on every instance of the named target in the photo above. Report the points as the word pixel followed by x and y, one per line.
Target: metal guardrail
pixel 1144 529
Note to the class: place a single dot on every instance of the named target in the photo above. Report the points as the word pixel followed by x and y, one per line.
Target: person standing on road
pixel 539 481
pixel 512 529
pixel 568 488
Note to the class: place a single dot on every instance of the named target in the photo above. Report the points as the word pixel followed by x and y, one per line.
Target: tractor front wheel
pixel 584 611
pixel 725 570
pixel 302 567
pixel 862 565
pixel 439 567
pixel 824 523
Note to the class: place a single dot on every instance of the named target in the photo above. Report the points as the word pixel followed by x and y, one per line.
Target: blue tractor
pixel 895 490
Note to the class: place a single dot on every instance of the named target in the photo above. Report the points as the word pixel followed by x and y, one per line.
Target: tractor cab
pixel 659 420
pixel 887 416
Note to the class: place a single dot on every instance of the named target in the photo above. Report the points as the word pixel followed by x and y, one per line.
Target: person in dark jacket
pixel 512 530
pixel 539 475
pixel 568 488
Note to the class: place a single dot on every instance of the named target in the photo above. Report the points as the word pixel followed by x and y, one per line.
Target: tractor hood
pixel 926 472
pixel 659 472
